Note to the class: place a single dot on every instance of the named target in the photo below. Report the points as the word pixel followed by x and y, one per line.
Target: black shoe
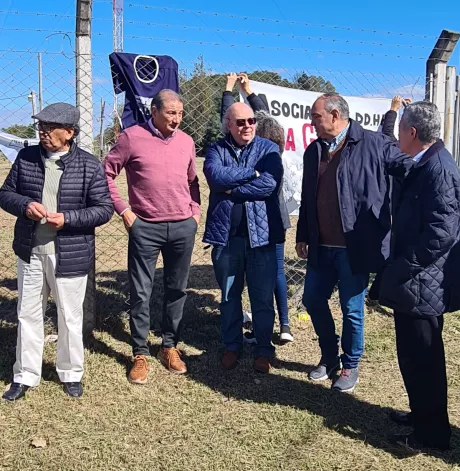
pixel 16 391
pixel 73 389
pixel 410 443
pixel 401 418
pixel 286 335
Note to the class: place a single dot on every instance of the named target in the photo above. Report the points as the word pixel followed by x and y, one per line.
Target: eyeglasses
pixel 242 122
pixel 47 127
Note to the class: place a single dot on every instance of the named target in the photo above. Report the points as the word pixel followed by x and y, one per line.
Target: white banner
pixel 292 109
pixel 10 145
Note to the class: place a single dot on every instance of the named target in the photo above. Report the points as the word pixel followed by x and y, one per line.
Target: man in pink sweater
pixel 162 216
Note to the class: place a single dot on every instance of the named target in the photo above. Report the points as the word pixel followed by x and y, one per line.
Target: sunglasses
pixel 242 122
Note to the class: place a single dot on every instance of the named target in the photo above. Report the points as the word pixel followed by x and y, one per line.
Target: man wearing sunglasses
pixel 244 225
pixel 59 194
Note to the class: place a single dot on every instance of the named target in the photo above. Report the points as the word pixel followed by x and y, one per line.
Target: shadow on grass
pixel 112 293
pixel 343 413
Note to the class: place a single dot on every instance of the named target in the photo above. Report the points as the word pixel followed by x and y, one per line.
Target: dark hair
pixel 270 128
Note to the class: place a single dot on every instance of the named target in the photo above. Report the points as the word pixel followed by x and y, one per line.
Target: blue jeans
pixel 231 264
pixel 281 287
pixel 334 268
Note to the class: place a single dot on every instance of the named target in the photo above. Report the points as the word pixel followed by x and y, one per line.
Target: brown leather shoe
pixel 138 373
pixel 170 359
pixel 229 360
pixel 262 364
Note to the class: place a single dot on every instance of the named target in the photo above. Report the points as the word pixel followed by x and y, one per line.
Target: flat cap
pixel 59 113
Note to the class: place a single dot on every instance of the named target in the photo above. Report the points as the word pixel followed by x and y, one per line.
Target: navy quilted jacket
pixel 421 276
pixel 83 198
pixel 224 171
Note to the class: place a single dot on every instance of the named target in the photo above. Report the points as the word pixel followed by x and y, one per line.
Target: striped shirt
pixel 332 145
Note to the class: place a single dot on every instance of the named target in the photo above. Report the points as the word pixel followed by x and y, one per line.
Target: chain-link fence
pixel 202 84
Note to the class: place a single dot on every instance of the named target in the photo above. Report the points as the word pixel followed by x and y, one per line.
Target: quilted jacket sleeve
pixel 221 178
pixel 440 219
pixel 266 183
pixel 99 207
pixel 10 200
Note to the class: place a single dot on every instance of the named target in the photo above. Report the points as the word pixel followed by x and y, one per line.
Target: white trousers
pixel 35 281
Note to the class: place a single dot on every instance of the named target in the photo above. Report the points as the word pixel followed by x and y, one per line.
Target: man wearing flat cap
pixel 59 194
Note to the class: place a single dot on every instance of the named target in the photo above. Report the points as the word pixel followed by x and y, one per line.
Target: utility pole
pixel 40 82
pixel 118 46
pixel 84 74
pixel 84 97
pixel 32 99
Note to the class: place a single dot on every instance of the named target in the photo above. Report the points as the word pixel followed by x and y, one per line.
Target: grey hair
pixel 425 118
pixel 162 96
pixel 269 128
pixel 224 125
pixel 333 101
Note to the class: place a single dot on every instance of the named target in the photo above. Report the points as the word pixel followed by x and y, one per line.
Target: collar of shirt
pixel 419 156
pixel 236 147
pixel 334 143
pixel 158 133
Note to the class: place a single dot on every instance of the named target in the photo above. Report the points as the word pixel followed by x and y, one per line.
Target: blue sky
pixel 387 57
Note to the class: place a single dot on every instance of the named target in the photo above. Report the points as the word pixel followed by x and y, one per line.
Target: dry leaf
pixel 38 442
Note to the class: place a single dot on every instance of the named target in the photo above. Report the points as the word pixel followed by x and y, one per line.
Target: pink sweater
pixel 161 174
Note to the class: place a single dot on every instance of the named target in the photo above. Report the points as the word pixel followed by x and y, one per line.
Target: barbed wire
pixel 270 48
pixel 35 30
pixel 222 30
pixel 54 15
pixel 12 97
pixel 274 20
pixel 278 35
pixel 227 65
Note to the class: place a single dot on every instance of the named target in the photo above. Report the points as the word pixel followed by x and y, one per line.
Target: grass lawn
pixel 209 419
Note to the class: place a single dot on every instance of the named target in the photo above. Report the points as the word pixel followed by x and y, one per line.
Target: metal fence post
pixel 84 97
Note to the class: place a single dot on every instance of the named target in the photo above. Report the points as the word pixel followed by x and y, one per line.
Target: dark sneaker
pixel 16 391
pixel 401 418
pixel 249 337
pixel 347 380
pixel 324 370
pixel 286 335
pixel 73 389
pixel 411 444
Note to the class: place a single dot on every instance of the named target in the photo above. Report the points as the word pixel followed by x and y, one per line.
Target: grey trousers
pixel 175 241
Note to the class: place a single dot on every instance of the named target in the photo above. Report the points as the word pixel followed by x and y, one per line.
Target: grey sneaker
pixel 325 370
pixel 347 380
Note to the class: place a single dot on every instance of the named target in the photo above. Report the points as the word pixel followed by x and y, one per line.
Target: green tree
pixel 20 130
pixel 313 83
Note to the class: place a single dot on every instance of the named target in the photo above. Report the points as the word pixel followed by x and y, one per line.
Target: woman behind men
pixel 269 128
